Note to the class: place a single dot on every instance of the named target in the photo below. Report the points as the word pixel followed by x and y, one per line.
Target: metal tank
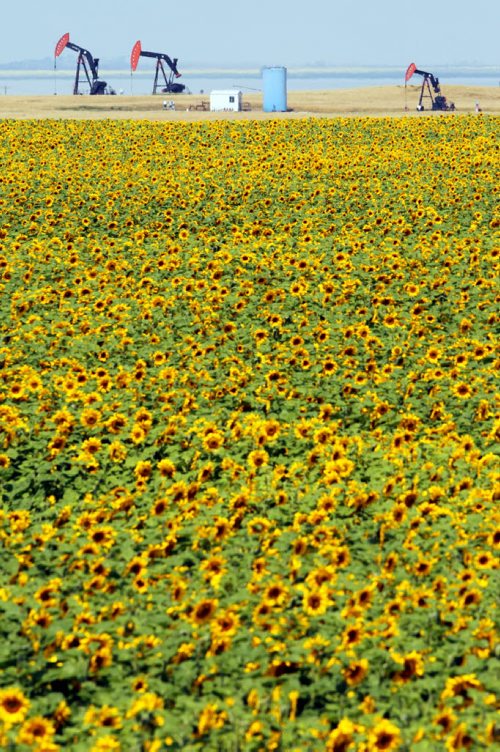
pixel 274 87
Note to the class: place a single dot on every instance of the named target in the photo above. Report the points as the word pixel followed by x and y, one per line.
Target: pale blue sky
pixel 261 32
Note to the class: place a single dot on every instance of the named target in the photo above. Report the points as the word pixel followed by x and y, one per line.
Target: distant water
pixel 27 83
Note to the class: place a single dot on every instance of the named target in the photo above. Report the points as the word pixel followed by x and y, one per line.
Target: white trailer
pixel 225 100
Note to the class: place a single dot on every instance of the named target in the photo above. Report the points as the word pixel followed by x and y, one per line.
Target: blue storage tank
pixel 274 86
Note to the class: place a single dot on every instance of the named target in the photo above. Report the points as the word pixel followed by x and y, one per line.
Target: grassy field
pixel 379 100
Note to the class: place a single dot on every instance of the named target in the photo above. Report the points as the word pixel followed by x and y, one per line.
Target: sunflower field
pixel 249 435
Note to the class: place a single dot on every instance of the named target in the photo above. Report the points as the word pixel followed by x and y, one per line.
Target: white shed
pixel 228 100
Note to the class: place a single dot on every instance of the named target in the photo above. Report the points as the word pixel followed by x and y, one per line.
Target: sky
pixel 260 32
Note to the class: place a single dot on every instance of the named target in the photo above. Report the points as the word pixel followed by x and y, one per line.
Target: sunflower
pixel 144 418
pixel 137 565
pixel 316 601
pixel 140 684
pixel 16 391
pixel 485 560
pixel 384 736
pixel 13 706
pixel 213 441
pixel 106 743
pixel 210 718
pixel 90 447
pixel 397 515
pixel 101 659
pixel 4 461
pixel 470 597
pixel 159 507
pixel 341 557
pixel 336 469
pixel 260 335
pixel 258 525
pixel 422 568
pixel 103 536
pixel 258 458
pixel 355 672
pixel 56 445
pixel 412 666
pixel 341 739
pixel 270 429
pixel 36 731
pixel 445 719
pixel 457 686
pixel 48 594
pixel 462 390
pixel 391 321
pixel 204 610
pixel 90 417
pixel 213 569
pixel 117 451
pixel 352 635
pixel 64 420
pixel 116 423
pixel 166 468
pixel 433 354
pixel 276 594
pixel 137 434
pixel 143 470
pixel 219 644
pixel 460 739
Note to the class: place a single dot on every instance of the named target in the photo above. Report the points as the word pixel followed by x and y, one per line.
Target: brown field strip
pixel 372 101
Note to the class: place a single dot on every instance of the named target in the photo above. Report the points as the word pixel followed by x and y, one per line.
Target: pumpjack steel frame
pixel 86 62
pixel 168 85
pixel 438 101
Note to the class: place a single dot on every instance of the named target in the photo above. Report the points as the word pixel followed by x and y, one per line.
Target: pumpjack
pixel 438 101
pixel 168 84
pixel 86 62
